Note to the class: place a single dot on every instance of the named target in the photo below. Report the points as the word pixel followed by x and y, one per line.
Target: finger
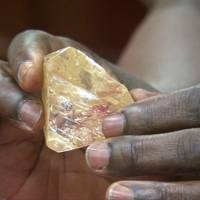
pixel 138 190
pixel 141 94
pixel 27 51
pixel 16 105
pixel 163 154
pixel 159 114
pixel 26 54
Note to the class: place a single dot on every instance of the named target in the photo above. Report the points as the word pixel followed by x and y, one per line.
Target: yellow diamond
pixel 77 95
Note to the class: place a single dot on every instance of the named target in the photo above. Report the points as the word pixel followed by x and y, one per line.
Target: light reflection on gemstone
pixel 77 95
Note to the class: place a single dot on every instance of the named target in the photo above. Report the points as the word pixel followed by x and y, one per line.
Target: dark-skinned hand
pixel 28 169
pixel 156 137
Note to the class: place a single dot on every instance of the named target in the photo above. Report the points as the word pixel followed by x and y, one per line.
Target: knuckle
pixel 134 153
pixel 32 32
pixel 188 148
pixel 124 155
pixel 176 191
pixel 143 117
pixel 191 97
pixel 22 42
pixel 20 37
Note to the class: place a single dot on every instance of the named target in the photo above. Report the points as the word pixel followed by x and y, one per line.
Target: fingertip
pixel 97 156
pixel 29 76
pixel 113 125
pixel 30 113
pixel 118 191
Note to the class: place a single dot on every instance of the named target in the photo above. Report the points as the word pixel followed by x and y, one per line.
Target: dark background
pixel 103 25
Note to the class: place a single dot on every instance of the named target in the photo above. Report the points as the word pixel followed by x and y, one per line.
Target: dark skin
pixel 164 52
pixel 162 141
pixel 165 145
pixel 32 171
pixel 29 169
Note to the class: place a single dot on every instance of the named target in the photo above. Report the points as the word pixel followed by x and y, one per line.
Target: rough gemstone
pixel 77 94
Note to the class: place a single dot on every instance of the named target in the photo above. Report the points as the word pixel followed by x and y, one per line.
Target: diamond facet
pixel 77 95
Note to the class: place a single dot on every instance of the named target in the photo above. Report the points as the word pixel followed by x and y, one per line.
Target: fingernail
pixel 23 71
pixel 98 155
pixel 30 112
pixel 113 125
pixel 119 192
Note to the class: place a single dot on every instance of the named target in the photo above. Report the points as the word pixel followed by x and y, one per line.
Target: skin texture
pixel 162 141
pixel 28 169
pixel 43 174
pixel 162 131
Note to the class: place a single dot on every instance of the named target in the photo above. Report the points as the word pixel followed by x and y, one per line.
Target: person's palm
pixel 30 171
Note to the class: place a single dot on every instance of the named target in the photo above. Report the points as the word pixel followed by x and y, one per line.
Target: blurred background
pixel 103 25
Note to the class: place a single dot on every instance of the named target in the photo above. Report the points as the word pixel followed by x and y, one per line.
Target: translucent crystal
pixel 77 94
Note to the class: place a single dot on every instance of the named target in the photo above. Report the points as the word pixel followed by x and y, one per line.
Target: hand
pixel 167 147
pixel 28 169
